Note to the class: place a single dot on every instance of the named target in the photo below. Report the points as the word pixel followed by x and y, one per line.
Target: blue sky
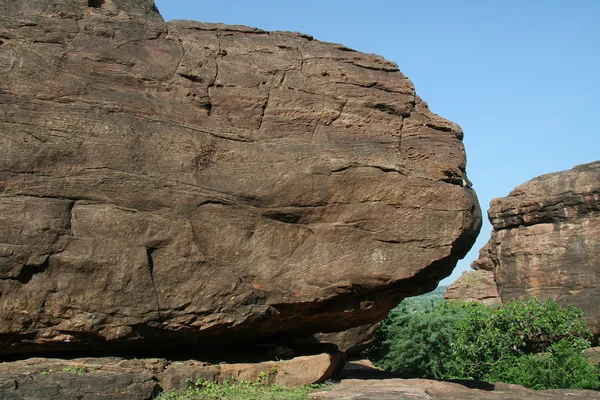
pixel 522 78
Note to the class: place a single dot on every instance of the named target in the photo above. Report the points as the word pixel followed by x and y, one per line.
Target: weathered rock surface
pixel 351 341
pixel 169 183
pixel 476 285
pixel 411 389
pixel 546 241
pixel 367 382
pixel 593 354
pixel 140 379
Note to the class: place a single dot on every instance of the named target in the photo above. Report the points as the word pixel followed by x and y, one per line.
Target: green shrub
pixel 535 344
pixel 562 366
pixel 488 337
pixel 421 343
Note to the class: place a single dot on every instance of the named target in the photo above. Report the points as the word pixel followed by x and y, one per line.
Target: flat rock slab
pixel 140 379
pixel 411 389
pixel 362 380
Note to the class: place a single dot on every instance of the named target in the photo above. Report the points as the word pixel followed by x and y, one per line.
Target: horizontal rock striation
pixel 169 183
pixel 546 241
pixel 142 379
pixel 479 286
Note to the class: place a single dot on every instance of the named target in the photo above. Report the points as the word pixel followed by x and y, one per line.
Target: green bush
pixel 562 366
pixel 489 340
pixel 419 343
pixel 535 344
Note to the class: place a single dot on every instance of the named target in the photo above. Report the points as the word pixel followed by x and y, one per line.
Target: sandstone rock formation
pixel 423 389
pixel 476 285
pixel 140 379
pixel 362 380
pixel 351 341
pixel 172 183
pixel 546 241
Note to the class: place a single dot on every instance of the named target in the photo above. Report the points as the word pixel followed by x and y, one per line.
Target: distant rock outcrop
pixel 546 242
pixel 477 286
pixel 172 183
pixel 351 341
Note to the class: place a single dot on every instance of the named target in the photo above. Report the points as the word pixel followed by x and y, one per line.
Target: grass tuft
pixel 242 390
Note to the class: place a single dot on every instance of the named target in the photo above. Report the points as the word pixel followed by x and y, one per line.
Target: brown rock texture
pixel 350 341
pixel 422 389
pixel 478 286
pixel 546 241
pixel 140 379
pixel 172 183
pixel 364 381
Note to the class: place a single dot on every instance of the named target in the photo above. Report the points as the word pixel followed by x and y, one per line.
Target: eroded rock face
pixel 351 341
pixel 187 182
pixel 141 379
pixel 546 241
pixel 479 286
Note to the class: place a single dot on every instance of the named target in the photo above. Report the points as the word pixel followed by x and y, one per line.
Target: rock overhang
pixel 191 181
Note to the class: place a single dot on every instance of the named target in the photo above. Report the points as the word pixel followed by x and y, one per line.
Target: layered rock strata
pixel 115 378
pixel 142 379
pixel 546 241
pixel 479 284
pixel 172 183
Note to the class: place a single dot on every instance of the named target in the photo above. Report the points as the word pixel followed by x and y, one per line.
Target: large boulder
pixel 546 241
pixel 168 183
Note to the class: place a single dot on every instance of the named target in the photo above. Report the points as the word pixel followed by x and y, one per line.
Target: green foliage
pixel 240 390
pixel 425 301
pixel 419 343
pixel 488 338
pixel 76 369
pixel 561 366
pixel 535 344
